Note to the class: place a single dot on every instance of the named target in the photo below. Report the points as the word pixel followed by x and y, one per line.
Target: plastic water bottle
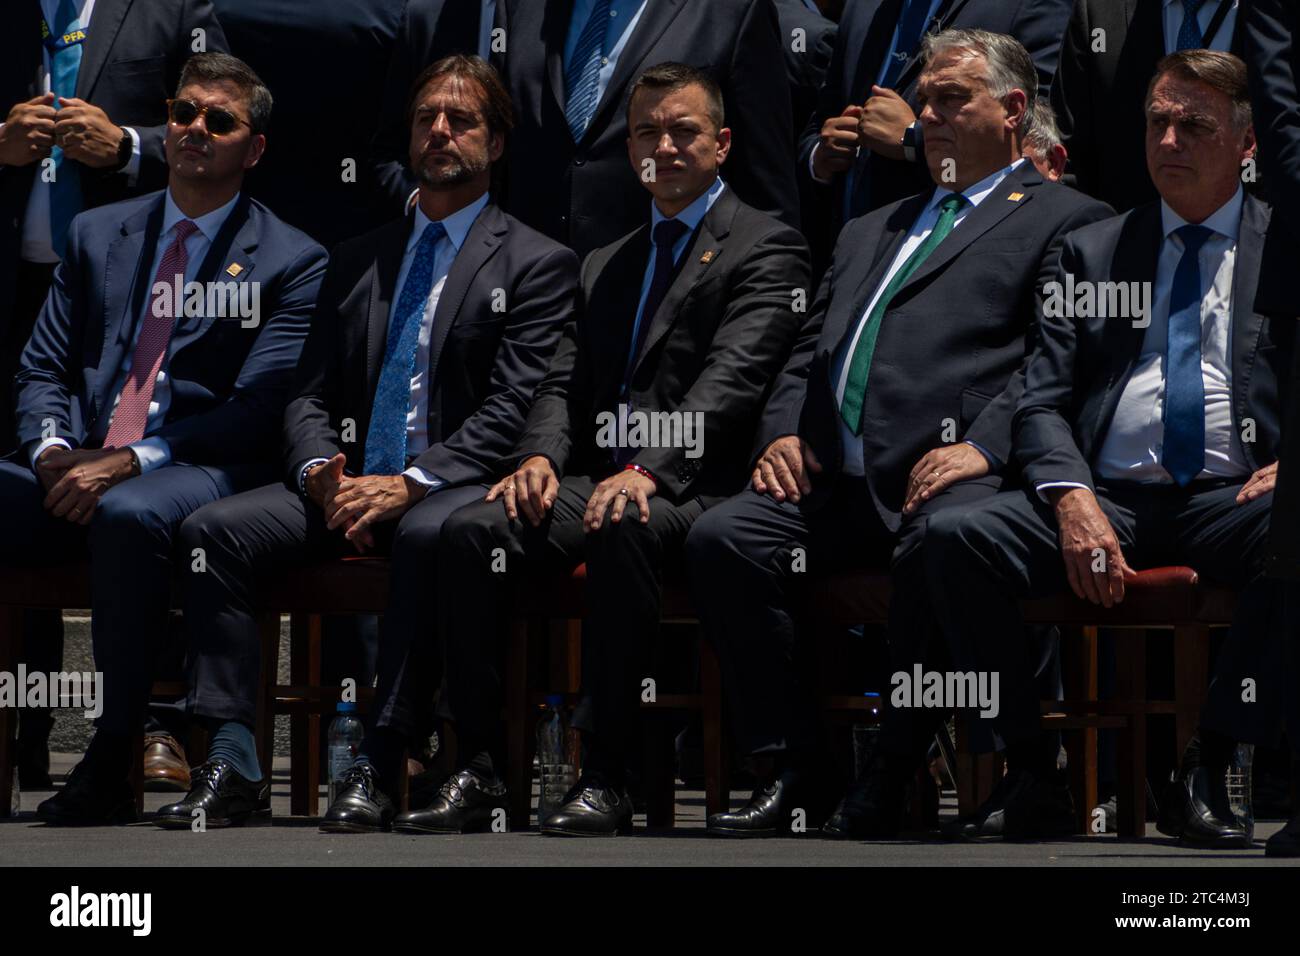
pixel 554 759
pixel 345 735
pixel 865 736
pixel 1239 785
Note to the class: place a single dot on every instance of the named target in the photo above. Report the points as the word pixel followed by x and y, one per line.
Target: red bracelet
pixel 632 466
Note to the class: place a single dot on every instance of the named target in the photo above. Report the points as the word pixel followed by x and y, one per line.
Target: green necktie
pixel 855 389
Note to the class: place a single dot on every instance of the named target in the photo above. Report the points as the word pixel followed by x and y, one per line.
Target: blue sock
pixel 234 742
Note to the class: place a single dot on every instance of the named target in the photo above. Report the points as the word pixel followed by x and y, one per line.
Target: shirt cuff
pixel 302 472
pixel 47 443
pixel 994 463
pixel 151 453
pixel 132 170
pixel 812 171
pixel 430 481
pixel 1042 488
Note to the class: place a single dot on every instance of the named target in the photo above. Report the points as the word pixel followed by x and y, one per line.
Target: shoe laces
pixel 360 775
pixel 210 773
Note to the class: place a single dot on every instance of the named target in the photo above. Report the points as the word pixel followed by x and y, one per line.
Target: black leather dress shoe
pixel 591 809
pixel 1195 808
pixel 1023 806
pixel 89 799
pixel 226 797
pixel 767 814
pixel 1286 841
pixel 464 804
pixel 360 807
pixel 872 809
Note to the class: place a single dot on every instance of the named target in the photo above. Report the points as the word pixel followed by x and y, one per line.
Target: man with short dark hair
pixel 153 384
pixel 428 340
pixel 1145 438
pixel 895 407
pixel 643 421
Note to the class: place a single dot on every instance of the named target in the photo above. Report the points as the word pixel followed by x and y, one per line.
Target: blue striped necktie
pixel 1183 452
pixel 582 78
pixel 65 189
pixel 386 435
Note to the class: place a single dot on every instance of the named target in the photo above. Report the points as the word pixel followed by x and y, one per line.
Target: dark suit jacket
pixel 861 44
pixel 130 65
pixel 1099 97
pixel 953 342
pixel 428 31
pixel 587 195
pixel 485 360
pixel 1081 365
pixel 713 346
pixel 324 64
pixel 228 383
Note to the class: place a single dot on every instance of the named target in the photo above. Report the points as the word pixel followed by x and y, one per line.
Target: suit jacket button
pixel 579 160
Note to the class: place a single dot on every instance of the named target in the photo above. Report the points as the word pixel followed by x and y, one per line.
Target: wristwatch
pixel 125 146
pixel 909 141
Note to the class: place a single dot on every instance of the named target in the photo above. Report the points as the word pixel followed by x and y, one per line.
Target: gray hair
pixel 1043 134
pixel 1008 65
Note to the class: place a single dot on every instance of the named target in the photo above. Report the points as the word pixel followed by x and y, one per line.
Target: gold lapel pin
pixel 707 257
pixel 234 269
pixel 1015 197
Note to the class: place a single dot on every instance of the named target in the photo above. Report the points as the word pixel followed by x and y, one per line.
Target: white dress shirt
pixel 1222 39
pixel 155 452
pixel 417 418
pixel 924 225
pixel 37 242
pixel 1134 441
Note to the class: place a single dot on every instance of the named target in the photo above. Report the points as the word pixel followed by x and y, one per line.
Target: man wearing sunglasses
pixel 429 338
pixel 137 404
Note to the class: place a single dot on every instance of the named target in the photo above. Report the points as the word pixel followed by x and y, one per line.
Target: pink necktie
pixel 133 406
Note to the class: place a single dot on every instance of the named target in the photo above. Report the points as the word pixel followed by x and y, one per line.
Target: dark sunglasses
pixel 218 121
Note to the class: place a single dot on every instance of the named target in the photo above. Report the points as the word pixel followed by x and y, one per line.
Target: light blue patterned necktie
pixel 1183 451
pixel 386 436
pixel 65 189
pixel 582 78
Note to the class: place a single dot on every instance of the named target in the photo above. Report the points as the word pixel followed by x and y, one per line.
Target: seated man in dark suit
pixel 138 400
pixel 895 405
pixel 1145 438
pixel 685 322
pixel 427 342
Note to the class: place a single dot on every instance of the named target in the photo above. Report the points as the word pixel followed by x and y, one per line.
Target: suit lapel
pixel 654 21
pixel 1247 321
pixel 1146 32
pixel 481 242
pixel 873 47
pixel 695 263
pixel 233 248
pixel 555 26
pixel 105 21
pixel 995 207
pixel 126 288
pixel 383 289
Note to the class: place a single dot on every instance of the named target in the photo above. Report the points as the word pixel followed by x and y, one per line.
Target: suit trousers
pixel 625 564
pixel 268 528
pixel 129 543
pixel 741 557
pixel 981 561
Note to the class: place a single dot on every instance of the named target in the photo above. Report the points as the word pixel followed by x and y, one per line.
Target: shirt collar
pixel 977 192
pixel 457 224
pixel 209 223
pixel 692 214
pixel 1226 220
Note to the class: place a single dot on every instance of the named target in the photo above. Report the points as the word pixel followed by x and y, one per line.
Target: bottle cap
pixel 347 706
pixel 554 700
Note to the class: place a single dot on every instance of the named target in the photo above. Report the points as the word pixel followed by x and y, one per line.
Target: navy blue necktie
pixel 582 78
pixel 1183 453
pixel 911 27
pixel 1189 34
pixel 386 435
pixel 666 234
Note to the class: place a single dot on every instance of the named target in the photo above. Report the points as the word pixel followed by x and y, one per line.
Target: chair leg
pixel 518 766
pixel 137 772
pixel 11 624
pixel 1079 669
pixel 1191 680
pixel 304 728
pixel 1131 682
pixel 268 676
pixel 716 797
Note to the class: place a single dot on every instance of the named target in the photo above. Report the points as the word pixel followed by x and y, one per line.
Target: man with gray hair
pixel 896 404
